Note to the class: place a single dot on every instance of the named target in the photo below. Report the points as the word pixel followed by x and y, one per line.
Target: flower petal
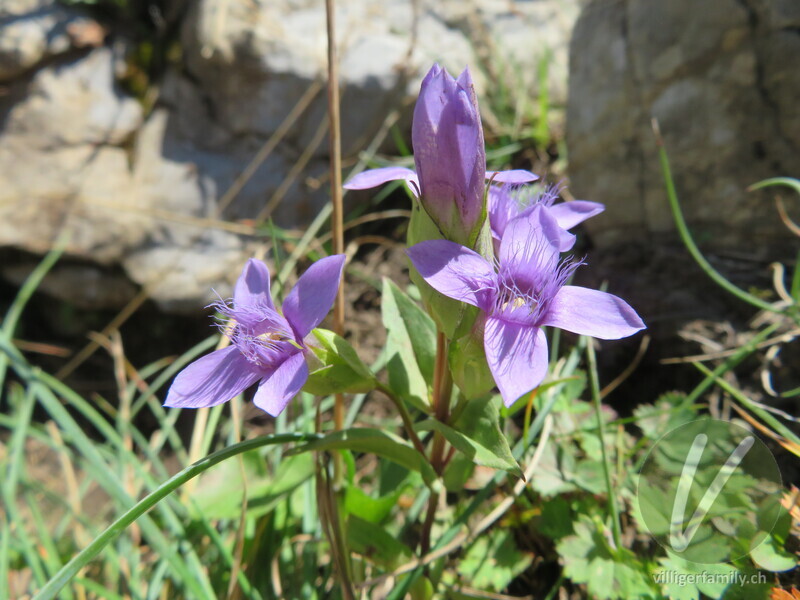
pixel 454 270
pixel 252 288
pixel 570 214
pixel 553 229
pixel 313 295
pixel 376 177
pixel 449 152
pixel 517 357
pixel 212 379
pixel 502 208
pixel 515 176
pixel 531 245
pixel 282 385
pixel 592 312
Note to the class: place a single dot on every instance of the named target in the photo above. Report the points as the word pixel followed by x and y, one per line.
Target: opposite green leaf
pixel 372 441
pixel 410 346
pixel 476 432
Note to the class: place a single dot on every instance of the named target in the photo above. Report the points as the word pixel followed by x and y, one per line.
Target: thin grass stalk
pixel 742 353
pixel 25 292
pixel 52 588
pixel 337 217
pixel 688 241
pixel 738 395
pixel 8 485
pixel 186 569
pixel 613 509
pixel 336 535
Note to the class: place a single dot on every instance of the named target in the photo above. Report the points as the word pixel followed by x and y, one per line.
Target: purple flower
pixel 266 346
pixel 508 202
pixel 523 294
pixel 449 156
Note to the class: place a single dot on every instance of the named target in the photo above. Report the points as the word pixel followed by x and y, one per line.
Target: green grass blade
pixel 742 353
pixel 81 559
pixel 686 236
pixel 97 589
pixel 45 542
pixel 613 509
pixel 764 415
pixel 8 485
pixel 23 295
pixel 187 571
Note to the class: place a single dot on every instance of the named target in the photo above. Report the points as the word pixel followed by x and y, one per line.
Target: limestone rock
pixel 34 30
pixel 62 160
pixel 148 196
pixel 722 83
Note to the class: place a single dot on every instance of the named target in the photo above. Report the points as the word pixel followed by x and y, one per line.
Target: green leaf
pixel 220 492
pixel 683 579
pixel 375 543
pixel 391 476
pixel 341 370
pixel 493 561
pixel 669 412
pixel 479 422
pixel 556 519
pixel 410 346
pixel 555 472
pixel 497 458
pixel 375 441
pixel 457 473
pixel 588 559
pixel 374 510
pixel 770 555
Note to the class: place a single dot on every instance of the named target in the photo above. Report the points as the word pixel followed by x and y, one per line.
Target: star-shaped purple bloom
pixel 523 294
pixel 266 345
pixel 508 202
pixel 449 156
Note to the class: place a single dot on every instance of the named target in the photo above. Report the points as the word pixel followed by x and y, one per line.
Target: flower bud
pixel 449 154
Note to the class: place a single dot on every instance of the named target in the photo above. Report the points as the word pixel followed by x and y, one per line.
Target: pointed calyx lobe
pixel 522 293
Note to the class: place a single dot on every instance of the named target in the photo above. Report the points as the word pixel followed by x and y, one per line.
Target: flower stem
pixel 404 414
pixel 442 390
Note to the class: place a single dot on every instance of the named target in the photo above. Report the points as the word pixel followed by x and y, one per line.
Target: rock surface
pixel 723 84
pixel 32 31
pixel 148 193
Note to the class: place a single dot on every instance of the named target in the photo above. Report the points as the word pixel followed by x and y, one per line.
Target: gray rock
pixel 32 31
pixel 147 196
pixel 62 163
pixel 723 84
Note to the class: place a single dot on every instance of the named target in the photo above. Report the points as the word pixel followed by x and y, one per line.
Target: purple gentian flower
pixel 449 156
pixel 508 202
pixel 526 292
pixel 266 346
